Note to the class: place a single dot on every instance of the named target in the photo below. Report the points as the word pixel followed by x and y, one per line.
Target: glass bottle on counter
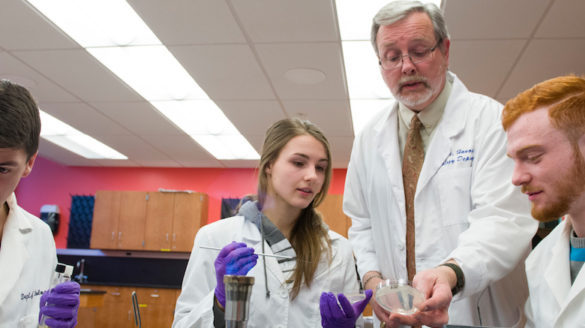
pixel 62 274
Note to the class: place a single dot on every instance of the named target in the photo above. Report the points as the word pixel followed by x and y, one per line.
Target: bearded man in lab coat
pixel 457 227
pixel 546 139
pixel 27 249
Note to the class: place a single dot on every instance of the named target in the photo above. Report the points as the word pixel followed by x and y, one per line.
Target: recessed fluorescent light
pixel 227 146
pixel 364 80
pixel 74 140
pixel 114 34
pixel 203 121
pixel 152 71
pixel 355 17
pixel 363 110
pixel 98 23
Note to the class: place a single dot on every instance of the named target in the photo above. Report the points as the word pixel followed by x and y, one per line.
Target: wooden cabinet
pixel 172 220
pixel 118 220
pixel 106 212
pixel 157 221
pixel 157 306
pixel 331 210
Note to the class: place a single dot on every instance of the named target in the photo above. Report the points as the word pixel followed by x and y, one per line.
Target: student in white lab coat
pixel 27 248
pixel 470 226
pixel 294 175
pixel 546 139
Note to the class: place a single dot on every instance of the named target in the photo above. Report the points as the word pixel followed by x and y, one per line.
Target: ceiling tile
pixel 287 21
pixel 225 71
pixel 465 55
pixel 41 88
pixel 539 64
pixel 28 29
pixel 340 150
pixel 189 21
pixel 563 20
pixel 179 147
pixel 241 163
pixel 333 117
pixel 80 73
pixel 58 154
pixel 114 162
pixel 201 163
pixel 493 19
pixel 323 57
pixel 134 147
pixel 140 118
pixel 252 117
pixel 84 118
pixel 158 163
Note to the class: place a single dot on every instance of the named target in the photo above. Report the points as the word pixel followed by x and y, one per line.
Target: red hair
pixel 566 97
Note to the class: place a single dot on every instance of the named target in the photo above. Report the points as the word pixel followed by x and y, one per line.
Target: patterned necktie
pixel 412 161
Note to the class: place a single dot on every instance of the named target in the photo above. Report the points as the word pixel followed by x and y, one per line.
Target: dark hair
pixel 20 122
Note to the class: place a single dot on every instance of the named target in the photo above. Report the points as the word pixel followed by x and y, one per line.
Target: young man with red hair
pixel 546 139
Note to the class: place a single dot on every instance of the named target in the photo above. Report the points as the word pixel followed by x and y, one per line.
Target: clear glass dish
pixel 398 296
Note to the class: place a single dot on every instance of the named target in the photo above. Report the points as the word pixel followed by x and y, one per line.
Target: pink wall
pixel 53 183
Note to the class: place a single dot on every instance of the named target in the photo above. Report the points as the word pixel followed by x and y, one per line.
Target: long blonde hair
pixel 309 236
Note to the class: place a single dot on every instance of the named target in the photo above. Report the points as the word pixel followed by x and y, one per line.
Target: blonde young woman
pixel 294 175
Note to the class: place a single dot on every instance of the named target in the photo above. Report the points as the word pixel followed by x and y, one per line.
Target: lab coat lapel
pixel 557 274
pixel 577 288
pixel 437 153
pixel 14 252
pixel 451 124
pixel 272 265
pixel 251 236
pixel 389 148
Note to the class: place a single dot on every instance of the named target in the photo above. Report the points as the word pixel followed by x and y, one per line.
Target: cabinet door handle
pixel 167 236
pixel 113 235
pixel 174 236
pixel 155 295
pixel 115 293
pixel 120 235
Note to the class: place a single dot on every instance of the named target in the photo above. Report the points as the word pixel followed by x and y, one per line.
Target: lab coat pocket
pixel 29 321
pixel 454 185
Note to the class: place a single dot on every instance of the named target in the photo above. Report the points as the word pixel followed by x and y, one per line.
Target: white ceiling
pixel 238 51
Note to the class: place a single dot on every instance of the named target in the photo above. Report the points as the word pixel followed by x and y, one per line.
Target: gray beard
pixel 415 100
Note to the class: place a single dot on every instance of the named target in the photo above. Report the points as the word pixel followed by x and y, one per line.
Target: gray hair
pixel 399 10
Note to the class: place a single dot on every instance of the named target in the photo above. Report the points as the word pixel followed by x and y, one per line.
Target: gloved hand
pixel 233 259
pixel 60 305
pixel 332 316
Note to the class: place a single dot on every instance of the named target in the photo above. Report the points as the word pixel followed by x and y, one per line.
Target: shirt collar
pixel 430 115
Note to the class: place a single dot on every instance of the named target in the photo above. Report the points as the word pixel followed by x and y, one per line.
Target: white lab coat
pixel 466 207
pixel 27 261
pixel 553 301
pixel 194 306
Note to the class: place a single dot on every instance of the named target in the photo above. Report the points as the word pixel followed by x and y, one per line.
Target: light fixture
pixel 114 34
pixel 68 137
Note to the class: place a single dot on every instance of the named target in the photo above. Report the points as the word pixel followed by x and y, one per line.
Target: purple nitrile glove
pixel 333 316
pixel 60 305
pixel 233 259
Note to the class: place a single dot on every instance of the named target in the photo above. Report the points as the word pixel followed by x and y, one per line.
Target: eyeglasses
pixel 394 61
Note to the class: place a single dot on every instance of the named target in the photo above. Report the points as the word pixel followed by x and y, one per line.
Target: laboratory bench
pixel 108 279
